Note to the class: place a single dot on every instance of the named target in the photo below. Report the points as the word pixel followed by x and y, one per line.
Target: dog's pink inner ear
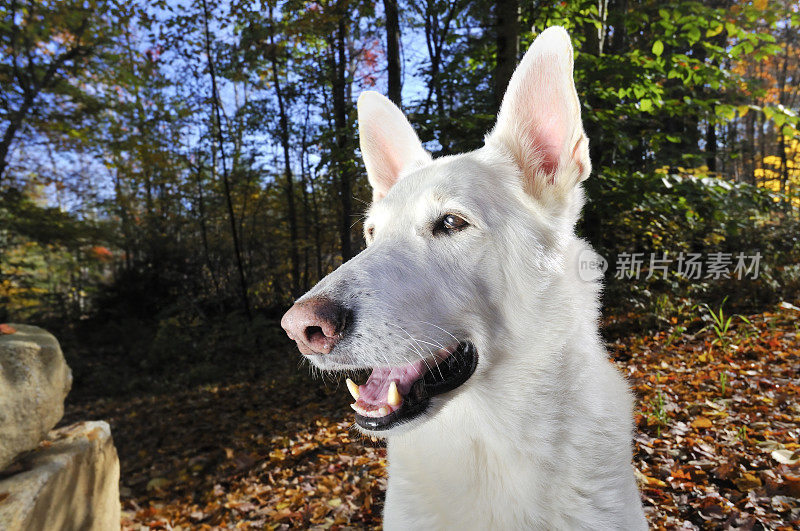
pixel 546 136
pixel 539 123
pixel 388 142
pixel 386 164
pixel 540 106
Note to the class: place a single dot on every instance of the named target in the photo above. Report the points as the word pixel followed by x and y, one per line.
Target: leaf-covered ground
pixel 716 446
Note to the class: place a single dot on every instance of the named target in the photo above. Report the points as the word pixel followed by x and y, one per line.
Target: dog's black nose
pixel 316 324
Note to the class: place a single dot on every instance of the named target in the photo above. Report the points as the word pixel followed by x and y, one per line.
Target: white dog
pixel 489 380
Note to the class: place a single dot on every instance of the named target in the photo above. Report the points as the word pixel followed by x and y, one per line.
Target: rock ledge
pixel 34 380
pixel 70 482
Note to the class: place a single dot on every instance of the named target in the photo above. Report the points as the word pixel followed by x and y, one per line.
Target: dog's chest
pixel 463 484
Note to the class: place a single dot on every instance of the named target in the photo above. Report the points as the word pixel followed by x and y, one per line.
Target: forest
pixel 175 173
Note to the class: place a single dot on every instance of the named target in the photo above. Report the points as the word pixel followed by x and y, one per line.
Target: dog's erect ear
pixel 539 123
pixel 388 143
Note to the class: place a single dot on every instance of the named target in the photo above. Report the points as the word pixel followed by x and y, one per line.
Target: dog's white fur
pixel 540 436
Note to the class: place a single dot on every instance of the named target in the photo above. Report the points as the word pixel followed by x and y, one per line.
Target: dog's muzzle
pixel 392 395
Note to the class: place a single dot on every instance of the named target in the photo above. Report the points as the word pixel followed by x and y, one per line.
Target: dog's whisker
pixel 438 367
pixel 442 329
pixel 361 201
pixel 435 343
pixel 415 341
pixel 432 354
pixel 441 347
pixel 361 218
pixel 414 344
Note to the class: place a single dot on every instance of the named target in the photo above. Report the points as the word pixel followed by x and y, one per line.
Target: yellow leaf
pixel 701 422
pixel 747 481
pixel 711 32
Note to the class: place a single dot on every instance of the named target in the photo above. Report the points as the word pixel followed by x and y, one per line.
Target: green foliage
pixel 669 214
pixel 741 433
pixel 55 57
pixel 720 324
pixel 658 412
pixel 50 260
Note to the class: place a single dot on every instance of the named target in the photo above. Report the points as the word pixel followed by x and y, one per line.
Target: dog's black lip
pixel 451 373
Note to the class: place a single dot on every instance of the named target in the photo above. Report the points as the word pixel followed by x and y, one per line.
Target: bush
pixel 660 213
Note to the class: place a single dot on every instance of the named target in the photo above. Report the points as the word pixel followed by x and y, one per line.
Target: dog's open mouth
pixel 393 395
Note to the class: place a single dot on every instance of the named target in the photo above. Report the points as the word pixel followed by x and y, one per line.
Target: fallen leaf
pixel 747 481
pixel 712 511
pixel 792 485
pixel 7 329
pixel 786 457
pixel 702 422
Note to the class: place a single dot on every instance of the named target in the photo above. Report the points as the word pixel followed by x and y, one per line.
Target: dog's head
pixel 464 254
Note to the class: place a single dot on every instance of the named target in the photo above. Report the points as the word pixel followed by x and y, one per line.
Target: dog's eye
pixel 451 223
pixel 371 232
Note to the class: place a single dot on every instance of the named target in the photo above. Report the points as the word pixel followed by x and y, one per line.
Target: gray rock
pixel 70 482
pixel 34 380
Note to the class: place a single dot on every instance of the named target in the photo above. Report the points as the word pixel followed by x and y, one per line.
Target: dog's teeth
pixel 383 411
pixel 393 396
pixel 351 385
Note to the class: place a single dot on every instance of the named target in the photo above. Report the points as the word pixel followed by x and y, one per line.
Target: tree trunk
pixel 11 131
pixel 124 218
pixel 225 180
pixel 595 37
pixel 435 36
pixel 287 164
pixel 312 222
pixel 393 51
pixel 750 145
pixel 203 228
pixel 711 145
pixel 619 38
pixel 784 178
pixel 762 140
pixel 342 134
pixel 784 170
pixel 507 46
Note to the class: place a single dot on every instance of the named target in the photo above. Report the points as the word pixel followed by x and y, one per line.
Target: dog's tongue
pixel 374 392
